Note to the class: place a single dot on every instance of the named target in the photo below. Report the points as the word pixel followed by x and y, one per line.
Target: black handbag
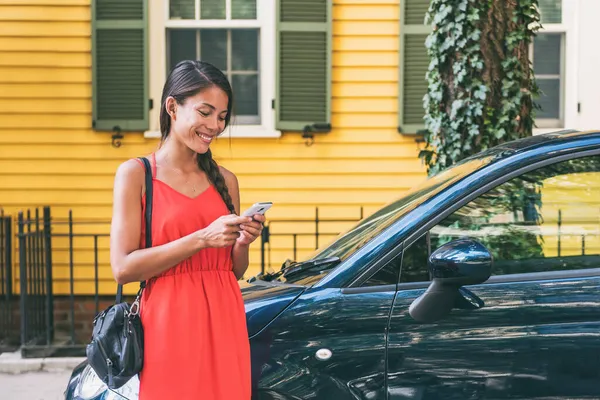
pixel 116 351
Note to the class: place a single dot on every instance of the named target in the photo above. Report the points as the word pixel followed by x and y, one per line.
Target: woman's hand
pixel 223 232
pixel 251 230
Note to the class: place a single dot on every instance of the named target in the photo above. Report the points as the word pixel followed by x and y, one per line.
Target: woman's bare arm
pixel 239 253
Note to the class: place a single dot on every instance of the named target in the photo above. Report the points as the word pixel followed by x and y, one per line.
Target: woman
pixel 195 338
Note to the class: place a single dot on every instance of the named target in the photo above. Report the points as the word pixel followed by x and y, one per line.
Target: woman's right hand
pixel 223 231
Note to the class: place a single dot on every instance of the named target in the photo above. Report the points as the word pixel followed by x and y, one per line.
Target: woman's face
pixel 200 119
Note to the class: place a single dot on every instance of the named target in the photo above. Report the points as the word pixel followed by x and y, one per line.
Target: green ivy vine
pixel 481 83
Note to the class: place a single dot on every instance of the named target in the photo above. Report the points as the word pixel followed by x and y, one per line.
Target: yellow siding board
pixel 365 59
pixel 379 120
pixel 75 196
pixel 45 121
pixel 359 105
pixel 362 2
pixel 65 3
pixel 64 45
pixel 365 74
pixel 58 136
pixel 103 212
pixel 366 12
pixel 44 13
pixel 364 43
pixel 336 136
pixel 275 182
pixel 45 75
pixel 93 168
pixel 56 59
pixel 65 106
pixel 363 90
pixel 35 29
pixel 366 28
pixel 95 151
pixel 46 90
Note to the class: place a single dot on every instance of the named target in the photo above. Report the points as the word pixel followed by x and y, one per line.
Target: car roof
pixel 530 142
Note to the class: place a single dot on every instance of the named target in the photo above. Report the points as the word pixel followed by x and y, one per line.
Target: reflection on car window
pixel 414 262
pixel 544 220
pixel 388 275
pixel 347 243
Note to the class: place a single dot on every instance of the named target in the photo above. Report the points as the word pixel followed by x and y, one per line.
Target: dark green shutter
pixel 303 64
pixel 119 65
pixel 550 11
pixel 413 66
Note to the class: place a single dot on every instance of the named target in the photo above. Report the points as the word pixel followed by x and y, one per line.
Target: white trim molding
pixel 569 69
pixel 265 21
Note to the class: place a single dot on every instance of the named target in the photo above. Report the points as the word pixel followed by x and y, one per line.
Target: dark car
pixel 481 283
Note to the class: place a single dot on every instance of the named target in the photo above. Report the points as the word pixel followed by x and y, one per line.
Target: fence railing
pixel 9 331
pixel 35 278
pixel 48 322
pixel 59 322
pixel 269 232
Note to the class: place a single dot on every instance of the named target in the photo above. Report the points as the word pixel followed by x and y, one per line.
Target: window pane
pixel 244 50
pixel 212 9
pixel 182 9
pixel 243 9
pixel 414 262
pixel 546 54
pixel 545 220
pixel 550 11
pixel 213 47
pixel 182 46
pixel 388 275
pixel 549 99
pixel 245 91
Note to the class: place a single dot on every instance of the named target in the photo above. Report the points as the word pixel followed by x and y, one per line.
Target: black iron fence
pixel 316 222
pixel 35 278
pixel 9 331
pixel 59 322
pixel 50 301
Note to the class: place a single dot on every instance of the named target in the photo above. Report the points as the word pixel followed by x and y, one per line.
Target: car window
pixel 388 275
pixel 545 220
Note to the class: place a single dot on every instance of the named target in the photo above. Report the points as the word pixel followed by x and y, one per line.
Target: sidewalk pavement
pixel 13 363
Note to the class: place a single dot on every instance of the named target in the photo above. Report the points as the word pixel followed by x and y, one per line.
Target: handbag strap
pixel 148 218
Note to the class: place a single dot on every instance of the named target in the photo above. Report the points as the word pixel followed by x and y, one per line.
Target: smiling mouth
pixel 206 138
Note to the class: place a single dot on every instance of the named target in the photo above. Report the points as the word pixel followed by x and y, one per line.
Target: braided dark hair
pixel 186 79
pixel 208 165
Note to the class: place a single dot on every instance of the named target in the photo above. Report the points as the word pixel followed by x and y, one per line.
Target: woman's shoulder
pixel 229 176
pixel 131 172
pixel 130 168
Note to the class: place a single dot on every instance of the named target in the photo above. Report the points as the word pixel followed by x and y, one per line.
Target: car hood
pixel 263 301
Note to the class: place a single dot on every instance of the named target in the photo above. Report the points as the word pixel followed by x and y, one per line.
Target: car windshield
pixel 345 244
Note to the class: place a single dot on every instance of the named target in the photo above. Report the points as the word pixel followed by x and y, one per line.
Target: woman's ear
pixel 171 107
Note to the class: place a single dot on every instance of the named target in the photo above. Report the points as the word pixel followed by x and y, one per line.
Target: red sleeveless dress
pixel 195 337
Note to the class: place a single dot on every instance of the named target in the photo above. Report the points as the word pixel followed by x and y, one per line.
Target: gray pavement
pixel 34 378
pixel 34 385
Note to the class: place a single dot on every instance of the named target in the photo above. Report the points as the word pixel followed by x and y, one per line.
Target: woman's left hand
pixel 251 230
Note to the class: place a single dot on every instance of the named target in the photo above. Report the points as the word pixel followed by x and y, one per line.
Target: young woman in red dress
pixel 195 338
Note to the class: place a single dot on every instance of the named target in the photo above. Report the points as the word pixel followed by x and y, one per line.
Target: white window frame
pixel 569 69
pixel 265 20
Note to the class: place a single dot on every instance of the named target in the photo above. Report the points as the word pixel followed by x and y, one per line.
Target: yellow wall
pixel 577 196
pixel 50 156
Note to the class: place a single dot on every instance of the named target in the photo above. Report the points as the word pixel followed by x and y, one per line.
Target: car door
pixel 329 344
pixel 537 334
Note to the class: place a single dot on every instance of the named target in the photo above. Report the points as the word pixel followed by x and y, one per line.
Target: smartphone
pixel 257 208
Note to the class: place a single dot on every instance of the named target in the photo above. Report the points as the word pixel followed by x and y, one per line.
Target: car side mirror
pixel 454 264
